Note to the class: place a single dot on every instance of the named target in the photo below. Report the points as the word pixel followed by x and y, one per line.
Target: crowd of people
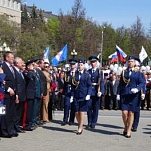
pixel 31 90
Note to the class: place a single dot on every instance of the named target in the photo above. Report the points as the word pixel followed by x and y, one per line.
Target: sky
pixel 114 12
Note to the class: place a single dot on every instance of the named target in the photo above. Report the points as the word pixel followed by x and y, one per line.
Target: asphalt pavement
pixel 107 136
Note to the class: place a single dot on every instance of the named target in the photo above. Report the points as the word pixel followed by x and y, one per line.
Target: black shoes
pixel 134 129
pixel 64 123
pixel 90 126
pixel 124 133
pixel 71 123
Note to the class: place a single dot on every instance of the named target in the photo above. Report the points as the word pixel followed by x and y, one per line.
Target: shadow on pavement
pixel 58 129
pixel 110 126
pixel 103 131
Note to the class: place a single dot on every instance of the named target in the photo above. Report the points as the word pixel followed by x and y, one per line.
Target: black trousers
pixel 19 114
pixel 8 120
pixel 29 113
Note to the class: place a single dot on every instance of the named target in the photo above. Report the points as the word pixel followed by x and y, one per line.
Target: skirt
pixel 80 106
pixel 130 102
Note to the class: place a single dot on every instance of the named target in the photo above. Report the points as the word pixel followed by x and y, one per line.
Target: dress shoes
pixel 79 133
pixel 88 126
pixel 64 123
pixel 124 133
pixel 15 134
pixel 93 126
pixel 70 123
pixel 20 131
pixel 29 129
pixel 6 136
pixel 134 129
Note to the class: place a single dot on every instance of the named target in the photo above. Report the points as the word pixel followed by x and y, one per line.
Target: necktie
pixel 12 70
pixel 93 71
pixel 21 74
pixel 80 75
pixel 130 72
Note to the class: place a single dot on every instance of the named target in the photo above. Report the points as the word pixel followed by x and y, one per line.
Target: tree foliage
pixel 73 28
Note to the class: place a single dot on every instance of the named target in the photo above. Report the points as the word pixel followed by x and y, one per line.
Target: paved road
pixel 106 137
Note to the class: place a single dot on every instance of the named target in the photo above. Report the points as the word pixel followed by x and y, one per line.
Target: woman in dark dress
pixel 82 89
pixel 131 83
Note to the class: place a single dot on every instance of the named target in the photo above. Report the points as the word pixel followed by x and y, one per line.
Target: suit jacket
pixel 60 85
pixel 43 82
pixel 115 87
pixel 9 79
pixel 20 86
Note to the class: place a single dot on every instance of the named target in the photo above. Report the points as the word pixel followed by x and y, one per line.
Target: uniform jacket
pixel 136 81
pixel 67 83
pixel 37 85
pixel 30 84
pixel 95 79
pixel 84 87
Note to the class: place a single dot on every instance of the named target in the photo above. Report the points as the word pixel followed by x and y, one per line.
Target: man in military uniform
pixel 97 85
pixel 142 97
pixel 67 92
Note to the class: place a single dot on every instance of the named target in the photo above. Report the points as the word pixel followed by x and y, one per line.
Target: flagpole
pixel 102 46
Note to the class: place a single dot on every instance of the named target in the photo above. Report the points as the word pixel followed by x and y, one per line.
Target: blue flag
pixel 61 56
pixel 46 55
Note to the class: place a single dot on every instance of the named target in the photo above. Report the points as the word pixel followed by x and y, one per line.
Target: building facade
pixel 12 9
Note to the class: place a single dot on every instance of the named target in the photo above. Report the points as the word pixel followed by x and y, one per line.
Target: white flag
pixel 143 54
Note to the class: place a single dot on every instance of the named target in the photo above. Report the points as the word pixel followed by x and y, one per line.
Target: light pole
pixel 3 49
pixel 73 53
pixel 102 46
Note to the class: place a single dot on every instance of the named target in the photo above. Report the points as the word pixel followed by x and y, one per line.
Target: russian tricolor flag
pixel 113 57
pixel 121 54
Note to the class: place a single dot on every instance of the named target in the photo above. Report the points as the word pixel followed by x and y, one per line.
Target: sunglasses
pixel 46 66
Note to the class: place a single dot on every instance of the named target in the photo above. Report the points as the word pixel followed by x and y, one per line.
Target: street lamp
pixel 3 49
pixel 102 46
pixel 73 53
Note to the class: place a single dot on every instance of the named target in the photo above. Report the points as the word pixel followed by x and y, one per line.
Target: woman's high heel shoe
pixel 79 133
pixel 124 133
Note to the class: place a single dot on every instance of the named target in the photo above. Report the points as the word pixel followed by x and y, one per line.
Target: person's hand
pixel 71 99
pixel 11 92
pixel 118 97
pixel 134 90
pixel 143 96
pixel 1 70
pixel 99 94
pixel 87 97
pixel 17 100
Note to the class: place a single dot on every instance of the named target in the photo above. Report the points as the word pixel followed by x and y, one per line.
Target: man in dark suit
pixel 21 92
pixel 7 124
pixel 61 89
pixel 115 83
